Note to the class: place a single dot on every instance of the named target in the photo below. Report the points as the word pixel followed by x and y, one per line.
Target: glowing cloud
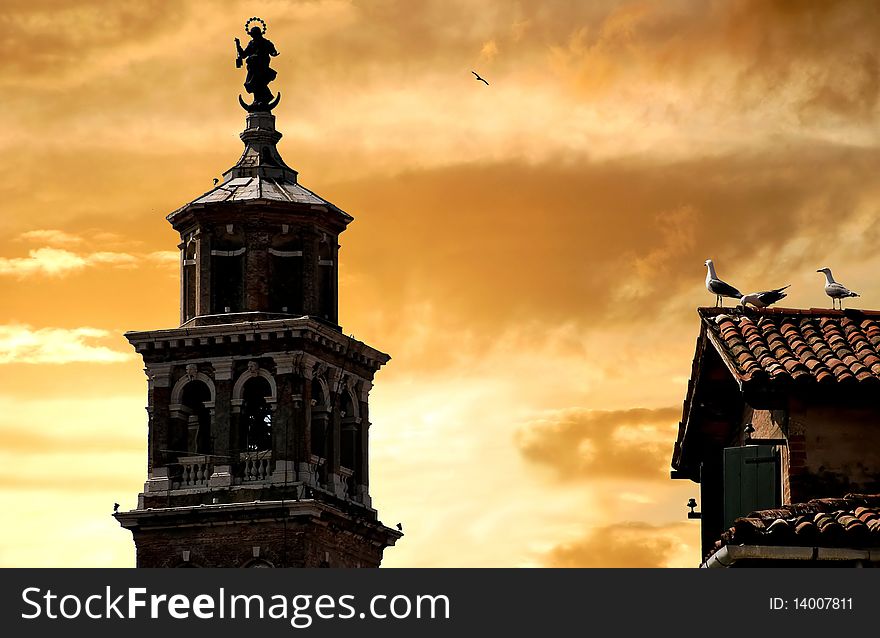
pixel 43 261
pixel 24 344
pixel 57 262
pixel 489 51
pixel 591 444
pixel 620 545
pixel 53 237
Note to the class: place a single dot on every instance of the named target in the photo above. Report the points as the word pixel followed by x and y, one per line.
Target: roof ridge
pixel 711 311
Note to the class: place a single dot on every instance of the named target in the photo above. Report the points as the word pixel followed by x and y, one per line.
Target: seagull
pixel 479 78
pixel 400 526
pixel 835 290
pixel 719 288
pixel 215 181
pixel 763 299
pixel 115 507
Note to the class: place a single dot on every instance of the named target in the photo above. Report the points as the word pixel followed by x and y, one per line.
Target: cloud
pixel 53 237
pixel 580 444
pixel 489 50
pixel 609 78
pixel 737 55
pixel 57 262
pixel 591 242
pixel 24 344
pixel 631 544
pixel 164 257
pixel 93 28
pixel 44 261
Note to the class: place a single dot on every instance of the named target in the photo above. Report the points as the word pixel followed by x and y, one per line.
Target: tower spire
pixel 261 157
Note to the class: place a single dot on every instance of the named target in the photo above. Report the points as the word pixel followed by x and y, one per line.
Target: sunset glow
pixel 530 253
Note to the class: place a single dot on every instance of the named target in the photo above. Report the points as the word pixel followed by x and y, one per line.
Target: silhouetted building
pixel 258 446
pixel 781 429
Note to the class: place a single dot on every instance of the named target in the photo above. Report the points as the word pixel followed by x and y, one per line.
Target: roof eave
pixel 344 218
pixel 728 555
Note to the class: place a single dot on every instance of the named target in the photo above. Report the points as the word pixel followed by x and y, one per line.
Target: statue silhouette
pixel 256 56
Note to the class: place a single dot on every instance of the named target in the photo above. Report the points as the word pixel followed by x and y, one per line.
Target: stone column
pixel 182 248
pixel 159 393
pixel 363 454
pixel 203 273
pixel 333 311
pixel 220 426
pixel 256 271
pixel 303 422
pixel 334 480
pixel 310 272
pixel 284 434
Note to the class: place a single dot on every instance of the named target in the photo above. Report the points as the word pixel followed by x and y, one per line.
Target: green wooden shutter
pixel 751 480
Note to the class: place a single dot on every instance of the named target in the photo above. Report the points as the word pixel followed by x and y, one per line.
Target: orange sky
pixel 530 253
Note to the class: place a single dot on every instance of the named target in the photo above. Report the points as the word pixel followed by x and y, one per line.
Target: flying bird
pixel 764 298
pixel 477 75
pixel 835 290
pixel 719 288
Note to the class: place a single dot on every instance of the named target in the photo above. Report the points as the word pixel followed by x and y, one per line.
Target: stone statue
pixel 256 56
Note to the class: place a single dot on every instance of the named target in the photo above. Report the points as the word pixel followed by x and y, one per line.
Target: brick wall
pixel 294 544
pixel 833 447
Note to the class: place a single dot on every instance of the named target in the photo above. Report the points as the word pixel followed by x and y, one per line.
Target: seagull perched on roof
pixel 764 298
pixel 717 287
pixel 835 290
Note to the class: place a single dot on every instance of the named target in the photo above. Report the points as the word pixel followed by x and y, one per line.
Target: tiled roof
pixel 851 522
pixel 780 345
pixel 242 189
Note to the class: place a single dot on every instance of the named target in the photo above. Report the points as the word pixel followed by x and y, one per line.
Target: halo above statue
pixel 247 25
pixel 257 55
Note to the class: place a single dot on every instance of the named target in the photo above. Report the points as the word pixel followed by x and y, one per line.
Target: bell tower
pixel 258 404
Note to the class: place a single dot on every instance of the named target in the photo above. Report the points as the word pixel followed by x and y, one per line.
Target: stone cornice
pixel 249 512
pixel 276 334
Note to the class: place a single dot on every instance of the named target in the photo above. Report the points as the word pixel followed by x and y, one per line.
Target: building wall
pixel 832 450
pixel 280 544
pixel 835 449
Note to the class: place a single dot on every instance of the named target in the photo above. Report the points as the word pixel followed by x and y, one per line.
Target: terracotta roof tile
pixel 782 344
pixel 851 522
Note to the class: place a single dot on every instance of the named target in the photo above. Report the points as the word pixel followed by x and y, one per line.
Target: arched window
pixel 195 438
pixel 286 276
pixel 227 270
pixel 350 443
pixel 256 415
pixel 349 434
pixel 320 431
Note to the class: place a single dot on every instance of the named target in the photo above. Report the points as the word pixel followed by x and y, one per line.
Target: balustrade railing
pixel 255 466
pixel 349 489
pixel 192 471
